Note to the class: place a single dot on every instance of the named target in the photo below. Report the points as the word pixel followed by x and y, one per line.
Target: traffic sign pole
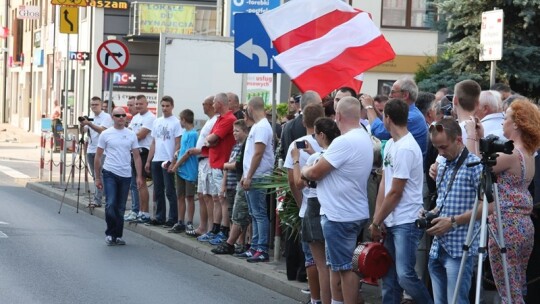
pixel 109 104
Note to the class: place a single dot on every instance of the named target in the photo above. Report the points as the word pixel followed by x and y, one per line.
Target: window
pixel 408 13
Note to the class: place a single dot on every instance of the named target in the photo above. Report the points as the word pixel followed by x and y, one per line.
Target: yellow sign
pixel 156 18
pixel 69 19
pixel 69 2
pixel 402 64
pixel 122 5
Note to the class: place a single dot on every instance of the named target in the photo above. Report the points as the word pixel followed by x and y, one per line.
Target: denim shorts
pixel 340 242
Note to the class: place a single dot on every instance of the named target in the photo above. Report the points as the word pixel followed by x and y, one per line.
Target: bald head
pixel 118 110
pixel 256 103
pixel 349 108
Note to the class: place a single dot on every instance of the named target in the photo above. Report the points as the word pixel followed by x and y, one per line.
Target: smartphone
pixel 300 144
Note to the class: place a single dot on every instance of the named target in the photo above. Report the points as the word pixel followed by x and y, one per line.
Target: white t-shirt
pixel 302 162
pixel 102 120
pixel 118 145
pixel 145 121
pixel 403 160
pixel 205 131
pixel 165 131
pixel 261 132
pixel 343 191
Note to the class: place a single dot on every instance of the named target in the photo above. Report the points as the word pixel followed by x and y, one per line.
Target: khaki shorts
pixel 215 181
pixel 204 185
pixel 240 213
pixel 184 187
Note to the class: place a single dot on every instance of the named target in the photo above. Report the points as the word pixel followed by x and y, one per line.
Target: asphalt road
pixel 46 257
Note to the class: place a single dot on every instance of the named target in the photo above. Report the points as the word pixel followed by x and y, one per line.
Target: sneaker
pixel 259 256
pixel 120 241
pixel 109 240
pixel 246 254
pixel 168 224
pixel 143 219
pixel 239 248
pixel 224 248
pixel 218 239
pixel 130 217
pixel 207 237
pixel 154 222
pixel 305 291
pixel 189 227
pixel 177 228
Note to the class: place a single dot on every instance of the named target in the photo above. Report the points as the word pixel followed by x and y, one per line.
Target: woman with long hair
pixel 514 172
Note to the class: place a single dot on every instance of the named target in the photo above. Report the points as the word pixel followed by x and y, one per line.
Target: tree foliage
pixel 520 65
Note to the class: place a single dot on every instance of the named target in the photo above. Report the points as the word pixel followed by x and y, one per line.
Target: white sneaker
pixel 132 216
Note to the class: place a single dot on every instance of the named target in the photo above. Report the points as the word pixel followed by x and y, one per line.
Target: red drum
pixel 371 260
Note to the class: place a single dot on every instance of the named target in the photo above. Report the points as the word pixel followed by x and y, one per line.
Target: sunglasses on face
pixel 119 115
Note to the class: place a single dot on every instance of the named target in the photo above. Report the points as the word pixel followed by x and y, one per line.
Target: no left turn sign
pixel 112 56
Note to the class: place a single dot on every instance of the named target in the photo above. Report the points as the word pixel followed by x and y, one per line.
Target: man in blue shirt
pixel 455 198
pixel 405 89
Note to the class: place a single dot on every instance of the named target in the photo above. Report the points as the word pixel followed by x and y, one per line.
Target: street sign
pixel 253 50
pixel 491 35
pixel 69 2
pixel 249 6
pixel 112 55
pixel 28 12
pixel 69 19
pixel 79 56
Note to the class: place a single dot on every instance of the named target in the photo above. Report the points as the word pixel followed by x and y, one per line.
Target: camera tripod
pixel 490 192
pixel 79 151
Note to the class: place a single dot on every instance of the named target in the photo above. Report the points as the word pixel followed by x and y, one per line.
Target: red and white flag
pixel 325 44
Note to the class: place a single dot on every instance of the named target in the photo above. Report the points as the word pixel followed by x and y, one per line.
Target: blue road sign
pixel 253 48
pixel 250 6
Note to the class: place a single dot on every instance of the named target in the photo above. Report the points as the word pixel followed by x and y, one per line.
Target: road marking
pixel 3 235
pixel 3 223
pixel 12 172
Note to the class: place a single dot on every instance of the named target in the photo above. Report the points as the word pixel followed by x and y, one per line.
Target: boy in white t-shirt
pixel 398 204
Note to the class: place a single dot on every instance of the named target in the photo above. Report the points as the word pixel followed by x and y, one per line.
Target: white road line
pixel 12 172
pixel 3 223
pixel 3 235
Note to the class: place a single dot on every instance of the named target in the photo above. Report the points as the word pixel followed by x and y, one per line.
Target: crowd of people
pixel 425 185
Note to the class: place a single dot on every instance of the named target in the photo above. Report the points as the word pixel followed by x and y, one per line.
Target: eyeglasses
pixel 95 104
pixel 397 91
pixel 119 115
pixel 437 127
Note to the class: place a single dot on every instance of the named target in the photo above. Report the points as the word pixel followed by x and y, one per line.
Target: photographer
pixel 94 125
pixel 514 173
pixel 456 194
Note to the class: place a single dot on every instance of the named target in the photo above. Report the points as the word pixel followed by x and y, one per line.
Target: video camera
pixel 83 118
pixel 491 144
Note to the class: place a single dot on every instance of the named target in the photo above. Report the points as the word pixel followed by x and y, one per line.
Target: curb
pixel 267 275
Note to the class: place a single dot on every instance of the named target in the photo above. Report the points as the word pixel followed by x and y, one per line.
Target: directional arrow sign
pixel 69 19
pixel 112 55
pixel 253 48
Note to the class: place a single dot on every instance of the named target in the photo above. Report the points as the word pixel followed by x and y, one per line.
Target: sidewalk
pixel 16 144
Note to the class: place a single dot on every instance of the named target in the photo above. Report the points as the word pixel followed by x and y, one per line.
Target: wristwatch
pixel 368 107
pixel 453 221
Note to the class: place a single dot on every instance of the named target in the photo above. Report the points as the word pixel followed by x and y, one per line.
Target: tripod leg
pixel 481 248
pixel 67 185
pixel 79 184
pixel 501 243
pixel 468 241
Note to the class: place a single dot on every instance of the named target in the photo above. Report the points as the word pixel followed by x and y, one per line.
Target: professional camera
pixel 425 222
pixel 491 144
pixel 83 118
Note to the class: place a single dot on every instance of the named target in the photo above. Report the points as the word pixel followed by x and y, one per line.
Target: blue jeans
pixel 340 242
pixel 402 244
pixel 256 199
pixel 444 272
pixel 134 192
pixel 116 193
pixel 164 184
pixel 98 194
